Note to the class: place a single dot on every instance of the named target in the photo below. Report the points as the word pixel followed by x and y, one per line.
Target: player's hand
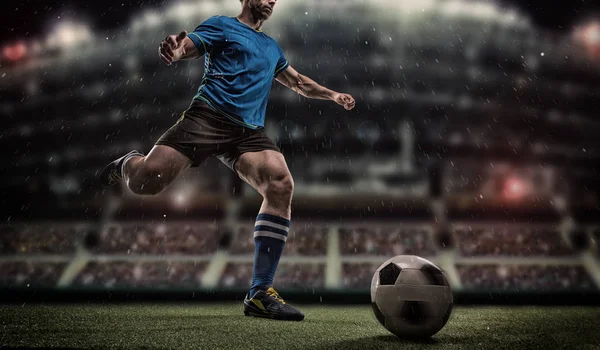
pixel 345 100
pixel 171 48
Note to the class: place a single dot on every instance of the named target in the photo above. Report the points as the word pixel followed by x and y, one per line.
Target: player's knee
pixel 280 188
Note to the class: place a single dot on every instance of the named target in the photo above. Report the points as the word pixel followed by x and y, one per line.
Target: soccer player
pixel 226 120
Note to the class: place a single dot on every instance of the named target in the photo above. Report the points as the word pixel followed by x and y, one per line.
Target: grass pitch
pixel 223 326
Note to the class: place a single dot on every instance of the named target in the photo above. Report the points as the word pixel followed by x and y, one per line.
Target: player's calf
pixel 146 175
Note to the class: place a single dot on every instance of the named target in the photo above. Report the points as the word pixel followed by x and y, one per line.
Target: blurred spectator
pixel 30 274
pixel 237 275
pixel 524 277
pixel 386 241
pixel 288 276
pixel 163 274
pixel 186 274
pixel 300 276
pixel 243 241
pixel 122 274
pixel 518 240
pixel 171 238
pixel 303 239
pixel 35 238
pixel 358 275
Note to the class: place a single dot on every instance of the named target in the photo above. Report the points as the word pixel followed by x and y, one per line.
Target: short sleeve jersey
pixel 239 68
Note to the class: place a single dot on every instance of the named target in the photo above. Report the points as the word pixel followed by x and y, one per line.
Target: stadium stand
pixel 149 274
pixel 288 276
pixel 30 274
pixel 525 278
pixel 386 240
pixel 303 239
pixel 511 240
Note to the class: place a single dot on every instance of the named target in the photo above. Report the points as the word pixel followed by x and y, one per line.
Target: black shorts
pixel 201 132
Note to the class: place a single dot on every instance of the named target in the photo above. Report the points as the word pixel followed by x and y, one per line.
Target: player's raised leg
pixel 268 173
pixel 146 175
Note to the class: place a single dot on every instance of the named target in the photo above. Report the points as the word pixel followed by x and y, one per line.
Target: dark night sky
pixel 24 18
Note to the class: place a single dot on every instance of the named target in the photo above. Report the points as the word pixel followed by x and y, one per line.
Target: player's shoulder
pixel 272 40
pixel 215 20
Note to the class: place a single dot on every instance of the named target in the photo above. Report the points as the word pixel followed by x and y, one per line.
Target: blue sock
pixel 270 234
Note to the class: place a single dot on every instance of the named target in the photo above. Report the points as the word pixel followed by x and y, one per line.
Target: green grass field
pixel 223 326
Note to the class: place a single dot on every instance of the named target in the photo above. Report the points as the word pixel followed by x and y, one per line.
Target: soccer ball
pixel 411 297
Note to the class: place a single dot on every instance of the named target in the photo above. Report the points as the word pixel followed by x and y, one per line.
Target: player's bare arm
pixel 310 89
pixel 177 47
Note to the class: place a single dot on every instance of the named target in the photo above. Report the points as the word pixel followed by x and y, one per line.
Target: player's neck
pixel 248 19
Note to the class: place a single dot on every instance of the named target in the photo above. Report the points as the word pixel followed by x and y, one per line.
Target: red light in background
pixel 514 188
pixel 14 52
pixel 588 35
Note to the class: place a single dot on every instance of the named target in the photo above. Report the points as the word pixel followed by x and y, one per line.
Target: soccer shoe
pixel 268 304
pixel 112 172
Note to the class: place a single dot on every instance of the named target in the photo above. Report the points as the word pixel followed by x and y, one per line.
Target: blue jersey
pixel 239 68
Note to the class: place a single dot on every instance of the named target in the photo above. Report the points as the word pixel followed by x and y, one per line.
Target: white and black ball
pixel 411 297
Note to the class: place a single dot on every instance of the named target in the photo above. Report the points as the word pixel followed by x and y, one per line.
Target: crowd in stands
pixel 38 238
pixel 386 241
pixel 358 275
pixel 288 276
pixel 524 277
pixel 126 274
pixel 30 274
pixel 303 239
pixel 159 239
pixel 512 240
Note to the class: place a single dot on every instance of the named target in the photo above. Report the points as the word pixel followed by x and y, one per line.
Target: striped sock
pixel 270 234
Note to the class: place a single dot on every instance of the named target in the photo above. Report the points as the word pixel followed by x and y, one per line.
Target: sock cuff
pixel 274 219
pixel 271 226
pixel 127 157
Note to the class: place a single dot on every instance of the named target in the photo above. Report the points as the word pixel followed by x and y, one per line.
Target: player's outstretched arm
pixel 309 88
pixel 177 47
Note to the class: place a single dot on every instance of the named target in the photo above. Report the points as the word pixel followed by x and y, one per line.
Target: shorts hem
pixel 234 161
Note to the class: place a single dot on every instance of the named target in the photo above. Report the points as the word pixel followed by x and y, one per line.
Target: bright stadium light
pixel 411 6
pixel 515 188
pixel 587 35
pixel 483 11
pixel 183 10
pixel 67 35
pixel 151 19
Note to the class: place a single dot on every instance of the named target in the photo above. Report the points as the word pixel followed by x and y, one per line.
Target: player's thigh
pixel 166 162
pixel 259 169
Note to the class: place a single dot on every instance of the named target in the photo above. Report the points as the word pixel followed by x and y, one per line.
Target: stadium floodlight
pixel 183 11
pixel 451 8
pixel 67 35
pixel 411 7
pixel 484 11
pixel 152 18
pixel 588 36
